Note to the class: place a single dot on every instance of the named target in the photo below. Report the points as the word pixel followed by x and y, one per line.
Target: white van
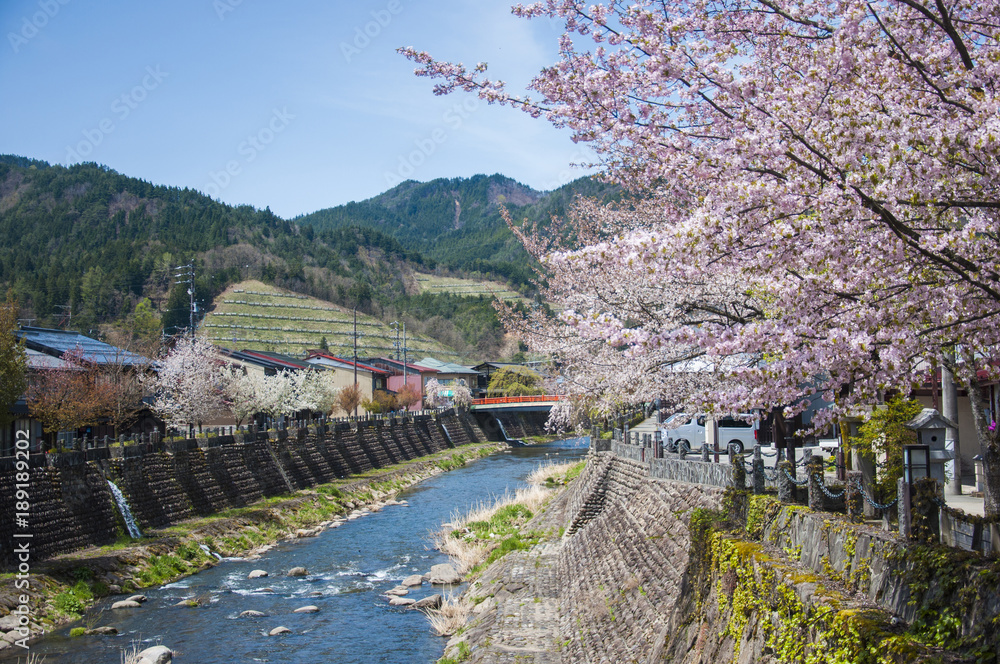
pixel 683 429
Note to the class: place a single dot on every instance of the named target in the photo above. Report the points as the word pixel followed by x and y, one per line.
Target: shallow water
pixel 349 569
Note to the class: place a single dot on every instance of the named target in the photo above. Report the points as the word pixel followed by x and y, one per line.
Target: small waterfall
pixel 447 435
pixel 133 529
pixel 513 442
pixel 209 551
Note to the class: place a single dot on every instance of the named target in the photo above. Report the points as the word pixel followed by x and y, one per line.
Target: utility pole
pixel 185 275
pixel 404 355
pixel 356 358
pixel 395 325
pixel 69 312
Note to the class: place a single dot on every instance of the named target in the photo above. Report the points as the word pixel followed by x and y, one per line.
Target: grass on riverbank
pixel 491 530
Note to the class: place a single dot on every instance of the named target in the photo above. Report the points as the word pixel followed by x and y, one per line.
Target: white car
pixel 687 430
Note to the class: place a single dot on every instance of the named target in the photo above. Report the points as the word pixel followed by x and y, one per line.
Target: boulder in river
pixel 250 613
pixel 297 571
pixel 279 630
pixel 401 601
pixel 126 604
pixel 432 602
pixel 414 580
pixel 136 598
pixel 307 609
pixel 106 630
pixel 156 655
pixel 444 574
pixel 398 591
pixel 257 574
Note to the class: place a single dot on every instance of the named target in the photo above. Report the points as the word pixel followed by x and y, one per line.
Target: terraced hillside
pixel 434 284
pixel 257 316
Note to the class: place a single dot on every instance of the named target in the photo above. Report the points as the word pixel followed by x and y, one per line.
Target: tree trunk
pixel 989 445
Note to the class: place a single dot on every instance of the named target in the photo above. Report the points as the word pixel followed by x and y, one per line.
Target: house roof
pixel 394 366
pixel 59 342
pixel 40 361
pixel 320 357
pixel 286 361
pixel 447 367
pixel 273 361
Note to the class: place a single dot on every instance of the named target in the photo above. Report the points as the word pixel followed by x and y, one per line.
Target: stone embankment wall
pixel 647 569
pixel 604 591
pixel 72 506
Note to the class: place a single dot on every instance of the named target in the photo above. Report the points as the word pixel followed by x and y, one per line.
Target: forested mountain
pixel 457 222
pixel 88 243
pixel 82 246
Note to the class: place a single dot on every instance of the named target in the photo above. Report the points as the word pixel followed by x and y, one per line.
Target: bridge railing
pixel 536 398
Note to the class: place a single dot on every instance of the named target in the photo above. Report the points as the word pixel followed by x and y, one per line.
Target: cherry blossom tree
pixel 187 384
pixel 432 393
pixel 242 391
pixel 461 395
pixel 67 399
pixel 820 180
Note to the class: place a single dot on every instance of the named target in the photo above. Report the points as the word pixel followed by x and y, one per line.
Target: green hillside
pixel 83 245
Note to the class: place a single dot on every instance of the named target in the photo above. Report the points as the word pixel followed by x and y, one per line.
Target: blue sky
pixel 297 105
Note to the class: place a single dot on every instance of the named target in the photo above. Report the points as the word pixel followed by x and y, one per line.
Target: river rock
pixel 413 580
pixel 114 589
pixel 398 591
pixel 279 630
pixel 156 655
pixel 297 571
pixel 190 603
pixel 106 630
pixel 257 574
pixel 432 602
pixel 307 609
pixel 444 574
pixel 9 622
pixel 250 613
pixel 126 604
pixel 136 598
pixel 401 601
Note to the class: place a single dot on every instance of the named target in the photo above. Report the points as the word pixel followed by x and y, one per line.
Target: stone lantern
pixel 930 426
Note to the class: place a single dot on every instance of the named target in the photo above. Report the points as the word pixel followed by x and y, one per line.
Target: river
pixel 349 569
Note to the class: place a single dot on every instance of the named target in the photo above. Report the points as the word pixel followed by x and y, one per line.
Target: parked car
pixel 738 432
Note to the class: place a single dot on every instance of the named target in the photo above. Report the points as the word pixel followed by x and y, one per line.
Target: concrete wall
pixel 72 505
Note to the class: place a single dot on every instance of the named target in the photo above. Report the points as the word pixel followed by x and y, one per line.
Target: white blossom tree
pixel 187 384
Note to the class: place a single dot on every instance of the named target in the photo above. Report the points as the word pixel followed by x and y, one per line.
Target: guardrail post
pixel 786 490
pixel 852 497
pixel 903 495
pixel 739 472
pixel 704 452
pixel 757 469
pixel 925 524
pixel 814 471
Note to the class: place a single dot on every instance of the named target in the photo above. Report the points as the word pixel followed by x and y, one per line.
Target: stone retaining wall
pixel 72 506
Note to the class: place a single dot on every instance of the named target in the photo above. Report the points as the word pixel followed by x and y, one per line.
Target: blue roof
pixel 59 342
